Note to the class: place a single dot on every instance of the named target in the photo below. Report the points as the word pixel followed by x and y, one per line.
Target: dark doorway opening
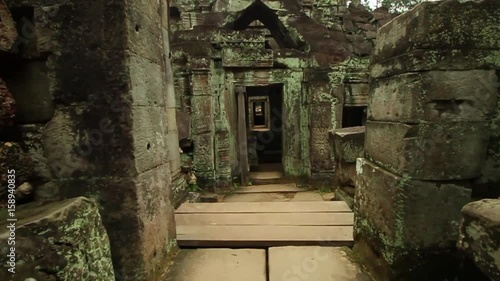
pixel 353 116
pixel 264 107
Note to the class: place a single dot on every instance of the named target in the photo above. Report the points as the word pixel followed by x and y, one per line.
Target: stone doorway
pixel 264 108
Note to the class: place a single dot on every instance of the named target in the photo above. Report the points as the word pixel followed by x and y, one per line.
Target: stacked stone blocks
pixel 427 136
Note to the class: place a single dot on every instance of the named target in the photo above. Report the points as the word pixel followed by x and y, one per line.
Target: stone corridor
pixel 274 220
pixel 190 140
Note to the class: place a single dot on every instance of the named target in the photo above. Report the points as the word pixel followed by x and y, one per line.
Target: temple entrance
pixel 263 126
pixel 264 106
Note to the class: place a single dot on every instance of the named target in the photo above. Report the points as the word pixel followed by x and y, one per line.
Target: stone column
pixel 108 136
pixel 179 185
pixel 426 136
pixel 325 110
pixel 203 121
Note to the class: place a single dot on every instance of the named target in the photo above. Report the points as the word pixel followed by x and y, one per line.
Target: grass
pixel 325 189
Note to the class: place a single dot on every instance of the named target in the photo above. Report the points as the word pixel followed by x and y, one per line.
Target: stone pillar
pixel 426 137
pixel 179 186
pixel 325 111
pixel 202 121
pixel 108 137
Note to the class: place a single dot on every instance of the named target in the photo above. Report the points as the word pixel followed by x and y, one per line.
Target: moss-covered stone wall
pixel 430 137
pixel 105 128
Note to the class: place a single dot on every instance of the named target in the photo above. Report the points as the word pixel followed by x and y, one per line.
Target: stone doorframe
pixel 239 90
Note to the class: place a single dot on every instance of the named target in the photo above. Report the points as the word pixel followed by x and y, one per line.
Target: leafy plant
pixel 194 188
pixel 325 189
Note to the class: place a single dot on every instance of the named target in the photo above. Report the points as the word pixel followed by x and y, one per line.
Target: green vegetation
pixel 394 6
pixel 325 189
pixel 194 188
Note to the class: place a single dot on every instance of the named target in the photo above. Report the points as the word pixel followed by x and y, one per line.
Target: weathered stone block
pixel 173 153
pixel 223 150
pixel 143 36
pixel 321 115
pixel 91 141
pixel 149 8
pixel 489 182
pixel 345 174
pixel 323 92
pixel 356 93
pixel 203 114
pixel 427 27
pixel 98 76
pixel 401 218
pixel 321 151
pixel 200 83
pixel 179 189
pixel 435 96
pixel 139 221
pixel 428 151
pixel 171 120
pixel 443 59
pixel 183 122
pixel 30 87
pixel 348 143
pixel 156 220
pixel 480 235
pixel 61 146
pixel 8 32
pixel 203 159
pixel 64 240
pixel 201 64
pixel 146 82
pixel 76 141
pixel 247 58
pixel 150 137
pixel 98 25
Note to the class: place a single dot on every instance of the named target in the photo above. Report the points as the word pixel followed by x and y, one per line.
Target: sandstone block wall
pixel 428 137
pixel 96 112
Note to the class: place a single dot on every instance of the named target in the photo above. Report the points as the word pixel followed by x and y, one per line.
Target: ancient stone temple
pixel 131 131
pixel 87 109
pixel 301 67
